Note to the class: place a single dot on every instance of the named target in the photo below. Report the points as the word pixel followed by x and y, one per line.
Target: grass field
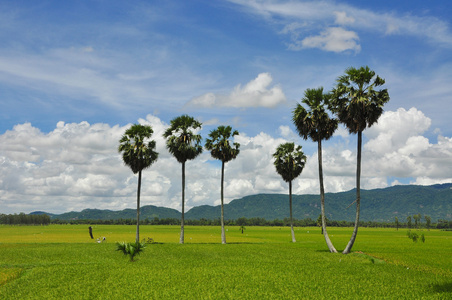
pixel 62 262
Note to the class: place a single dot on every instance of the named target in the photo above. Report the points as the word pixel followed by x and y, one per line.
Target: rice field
pixel 62 262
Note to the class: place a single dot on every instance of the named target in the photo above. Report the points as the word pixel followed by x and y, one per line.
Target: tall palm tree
pixel 316 124
pixel 289 162
pixel 358 105
pixel 138 154
pixel 184 144
pixel 220 148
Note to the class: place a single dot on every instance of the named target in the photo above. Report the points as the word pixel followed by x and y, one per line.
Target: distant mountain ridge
pixel 380 205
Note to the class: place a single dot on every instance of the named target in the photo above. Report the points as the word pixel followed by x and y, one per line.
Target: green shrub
pixel 413 235
pixel 148 240
pixel 130 249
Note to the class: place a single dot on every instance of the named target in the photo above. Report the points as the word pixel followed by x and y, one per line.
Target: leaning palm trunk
pixel 349 246
pixel 138 208
pixel 183 205
pixel 223 234
pixel 322 200
pixel 290 206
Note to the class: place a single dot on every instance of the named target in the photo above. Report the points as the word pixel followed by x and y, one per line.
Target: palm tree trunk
pixel 349 246
pixel 223 234
pixel 322 199
pixel 183 205
pixel 138 208
pixel 290 206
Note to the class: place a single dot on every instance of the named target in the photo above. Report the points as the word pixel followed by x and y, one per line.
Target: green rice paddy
pixel 62 262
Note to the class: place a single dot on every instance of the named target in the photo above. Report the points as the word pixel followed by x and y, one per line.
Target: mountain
pixel 380 205
pixel 149 211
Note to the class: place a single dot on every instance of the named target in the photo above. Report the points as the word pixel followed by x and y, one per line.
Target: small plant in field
pixel 423 238
pixel 148 240
pixel 242 228
pixel 413 235
pixel 130 249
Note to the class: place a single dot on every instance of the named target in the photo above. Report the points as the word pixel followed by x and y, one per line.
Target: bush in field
pixel 130 249
pixel 148 240
pixel 414 236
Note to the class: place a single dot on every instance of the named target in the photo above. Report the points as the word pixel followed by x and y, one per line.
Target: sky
pixel 74 75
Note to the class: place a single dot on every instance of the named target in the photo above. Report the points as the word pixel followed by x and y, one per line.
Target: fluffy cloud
pixel 256 93
pixel 76 165
pixel 398 148
pixel 334 39
pixel 343 19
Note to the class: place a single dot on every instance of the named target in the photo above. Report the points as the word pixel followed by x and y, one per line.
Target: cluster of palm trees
pixel 354 101
pixel 184 144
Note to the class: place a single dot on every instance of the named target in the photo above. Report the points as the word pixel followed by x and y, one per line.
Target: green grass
pixel 62 262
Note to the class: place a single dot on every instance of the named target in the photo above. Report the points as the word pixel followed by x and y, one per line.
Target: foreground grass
pixel 62 262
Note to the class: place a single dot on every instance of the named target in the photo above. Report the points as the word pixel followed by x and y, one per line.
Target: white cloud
pixel 394 128
pixel 343 19
pixel 327 13
pixel 334 39
pixel 287 133
pixel 398 148
pixel 256 93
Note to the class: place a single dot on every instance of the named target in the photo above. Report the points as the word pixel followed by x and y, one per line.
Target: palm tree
pixel 184 144
pixel 316 124
pixel 358 105
pixel 138 155
pixel 220 148
pixel 289 163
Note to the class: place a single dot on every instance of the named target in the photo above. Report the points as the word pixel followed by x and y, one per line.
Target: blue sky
pixel 75 74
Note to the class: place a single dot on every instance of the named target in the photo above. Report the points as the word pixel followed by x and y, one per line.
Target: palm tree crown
pixel 314 123
pixel 219 146
pixel 182 141
pixel 136 153
pixel 289 161
pixel 357 104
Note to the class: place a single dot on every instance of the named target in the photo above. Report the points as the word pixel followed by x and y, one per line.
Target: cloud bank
pixel 76 165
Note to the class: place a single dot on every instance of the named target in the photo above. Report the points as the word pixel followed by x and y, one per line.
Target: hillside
pixel 379 205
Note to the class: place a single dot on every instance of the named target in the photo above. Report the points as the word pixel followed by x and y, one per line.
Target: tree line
pixel 24 219
pixel 43 219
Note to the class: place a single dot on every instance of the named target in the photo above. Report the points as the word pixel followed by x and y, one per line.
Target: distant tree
pixel 316 124
pixel 319 222
pixel 220 148
pixel 417 219
pixel 358 105
pixel 184 144
pixel 408 221
pixel 242 228
pixel 428 221
pixel 289 162
pixel 138 153
pixel 242 221
pixel 397 223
